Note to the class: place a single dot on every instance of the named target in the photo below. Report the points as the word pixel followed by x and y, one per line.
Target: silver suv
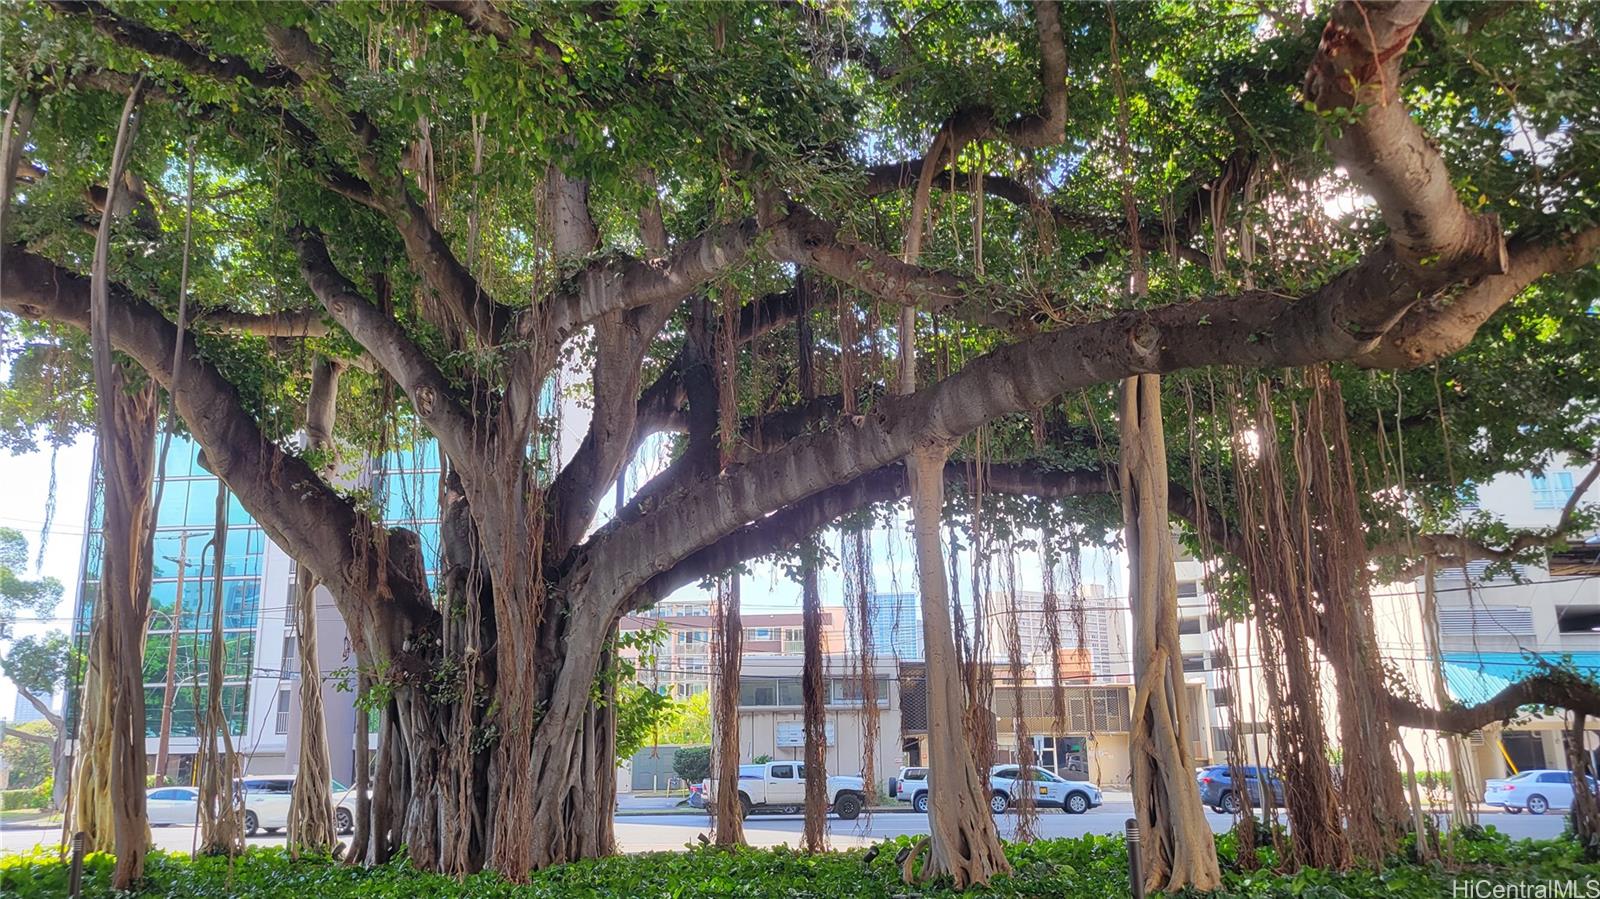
pixel 912 786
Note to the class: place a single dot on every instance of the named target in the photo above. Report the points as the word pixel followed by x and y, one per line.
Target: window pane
pixel 790 692
pixel 757 691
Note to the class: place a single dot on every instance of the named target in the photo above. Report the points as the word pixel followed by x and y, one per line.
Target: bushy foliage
pixel 34 797
pixel 1081 867
pixel 692 763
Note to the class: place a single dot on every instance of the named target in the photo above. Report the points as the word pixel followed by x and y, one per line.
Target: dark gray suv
pixel 1218 789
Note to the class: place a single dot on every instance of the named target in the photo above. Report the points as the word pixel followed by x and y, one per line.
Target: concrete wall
pixel 759 728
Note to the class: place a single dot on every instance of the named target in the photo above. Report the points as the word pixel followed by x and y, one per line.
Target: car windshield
pixel 1526 775
pixel 339 787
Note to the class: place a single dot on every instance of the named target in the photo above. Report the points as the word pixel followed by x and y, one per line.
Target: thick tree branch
pixel 1555 687
pixel 26 737
pixel 303 323
pixel 1443 325
pixel 168 45
pixel 805 239
pixel 439 405
pixel 1048 126
pixel 296 508
pixel 39 705
pixel 618 284
pixel 1357 66
pixel 484 17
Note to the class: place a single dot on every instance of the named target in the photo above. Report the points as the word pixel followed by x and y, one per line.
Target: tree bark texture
pixel 125 411
pixel 221 805
pixel 108 785
pixel 729 812
pixel 813 697
pixel 1177 848
pixel 311 822
pixel 963 843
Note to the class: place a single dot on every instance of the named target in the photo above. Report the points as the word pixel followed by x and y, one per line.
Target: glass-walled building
pixel 260 693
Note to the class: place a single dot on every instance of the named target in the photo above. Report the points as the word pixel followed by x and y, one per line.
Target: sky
pixel 26 492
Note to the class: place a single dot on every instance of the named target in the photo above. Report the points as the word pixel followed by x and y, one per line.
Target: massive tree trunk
pixel 1177 848
pixel 963 843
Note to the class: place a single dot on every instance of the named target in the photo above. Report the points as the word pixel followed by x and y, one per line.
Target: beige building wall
pixel 763 728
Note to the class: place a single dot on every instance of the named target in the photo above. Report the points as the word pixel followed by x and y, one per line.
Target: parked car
pixel 1008 782
pixel 1218 790
pixel 173 805
pixel 1537 790
pixel 1006 786
pixel 909 781
pixel 266 804
pixel 781 787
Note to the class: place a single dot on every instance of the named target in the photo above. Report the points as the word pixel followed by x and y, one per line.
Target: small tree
pixel 37 665
pixel 692 763
pixel 27 752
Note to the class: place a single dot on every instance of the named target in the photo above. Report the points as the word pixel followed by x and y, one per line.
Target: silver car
pixel 1048 790
pixel 1538 791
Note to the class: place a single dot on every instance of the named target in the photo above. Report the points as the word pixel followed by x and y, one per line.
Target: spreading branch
pixel 298 511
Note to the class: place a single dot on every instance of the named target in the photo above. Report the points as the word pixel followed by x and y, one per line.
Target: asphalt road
pixel 648 833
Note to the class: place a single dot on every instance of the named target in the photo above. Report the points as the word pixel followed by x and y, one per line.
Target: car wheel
pixel 1230 804
pixel 251 824
pixel 343 820
pixel 1537 805
pixel 847 806
pixel 744 806
pixel 920 804
pixel 998 803
pixel 1077 804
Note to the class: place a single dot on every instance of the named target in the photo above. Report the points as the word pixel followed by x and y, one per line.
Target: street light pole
pixel 172 660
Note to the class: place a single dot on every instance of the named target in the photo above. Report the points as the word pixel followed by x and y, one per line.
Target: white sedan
pixel 1538 791
pixel 266 804
pixel 173 805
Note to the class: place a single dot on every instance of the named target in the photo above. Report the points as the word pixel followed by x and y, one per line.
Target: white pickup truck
pixel 780 787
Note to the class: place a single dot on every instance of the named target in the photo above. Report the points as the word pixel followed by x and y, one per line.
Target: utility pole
pixel 174 620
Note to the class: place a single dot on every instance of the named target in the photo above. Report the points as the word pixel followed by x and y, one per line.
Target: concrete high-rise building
pixel 1098 651
pixel 895 625
pixel 23 711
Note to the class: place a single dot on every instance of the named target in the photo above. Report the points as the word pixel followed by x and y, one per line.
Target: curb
pixel 687 810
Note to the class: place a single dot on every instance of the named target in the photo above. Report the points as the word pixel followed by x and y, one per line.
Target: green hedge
pixel 30 798
pixel 1080 868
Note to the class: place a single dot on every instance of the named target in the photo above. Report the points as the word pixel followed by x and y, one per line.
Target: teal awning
pixel 1473 677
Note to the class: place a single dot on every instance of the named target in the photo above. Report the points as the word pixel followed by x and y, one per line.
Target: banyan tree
pixel 553 239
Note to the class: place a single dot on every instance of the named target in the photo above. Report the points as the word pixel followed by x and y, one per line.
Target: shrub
pixel 29 798
pixel 1081 868
pixel 692 763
